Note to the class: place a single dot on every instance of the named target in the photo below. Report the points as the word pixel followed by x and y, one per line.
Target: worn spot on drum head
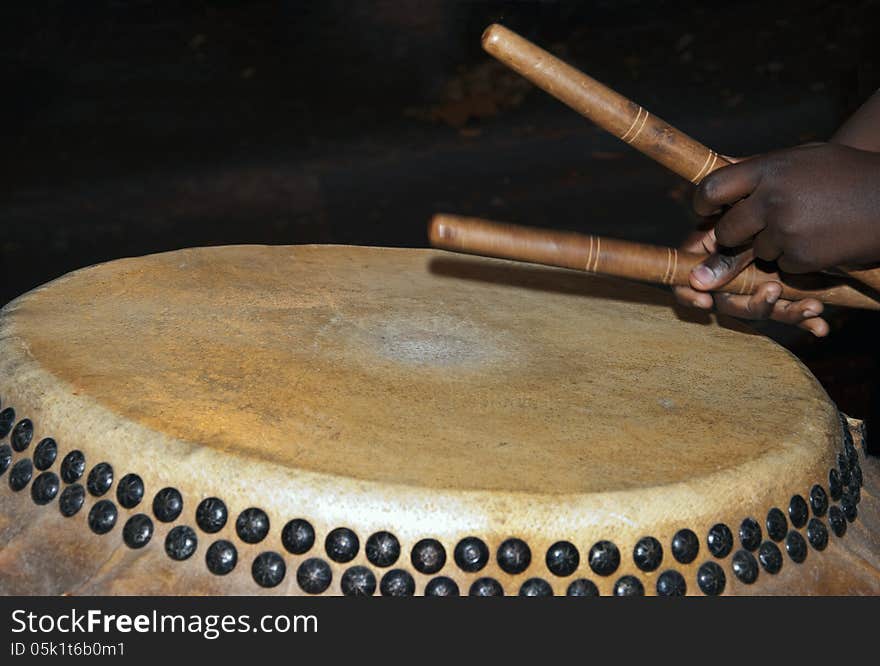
pixel 438 341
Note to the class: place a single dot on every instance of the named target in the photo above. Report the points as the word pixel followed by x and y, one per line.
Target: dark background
pixel 138 126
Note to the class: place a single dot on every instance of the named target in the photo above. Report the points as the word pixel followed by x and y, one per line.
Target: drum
pixel 363 421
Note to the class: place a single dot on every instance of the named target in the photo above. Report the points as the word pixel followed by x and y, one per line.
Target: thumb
pixel 719 268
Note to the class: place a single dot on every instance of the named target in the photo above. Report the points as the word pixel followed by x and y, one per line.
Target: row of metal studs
pixel 428 556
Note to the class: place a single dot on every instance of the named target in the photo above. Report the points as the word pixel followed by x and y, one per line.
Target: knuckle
pixel 709 189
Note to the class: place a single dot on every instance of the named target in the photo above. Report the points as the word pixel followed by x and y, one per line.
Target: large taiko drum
pixel 340 420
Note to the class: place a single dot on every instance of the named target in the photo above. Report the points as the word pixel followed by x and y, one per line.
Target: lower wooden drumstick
pixel 609 256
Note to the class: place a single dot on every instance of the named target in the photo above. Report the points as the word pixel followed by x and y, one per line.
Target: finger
pixel 817 326
pixel 692 298
pixel 797 312
pixel 726 186
pixel 755 306
pixel 760 304
pixel 741 223
pixel 719 268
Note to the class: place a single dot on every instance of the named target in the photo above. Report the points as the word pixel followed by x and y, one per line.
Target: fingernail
pixel 703 274
pixel 810 313
pixel 772 295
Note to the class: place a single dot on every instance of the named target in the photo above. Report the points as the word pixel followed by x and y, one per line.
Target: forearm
pixel 862 130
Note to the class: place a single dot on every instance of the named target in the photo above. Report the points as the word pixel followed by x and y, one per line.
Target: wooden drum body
pixel 338 420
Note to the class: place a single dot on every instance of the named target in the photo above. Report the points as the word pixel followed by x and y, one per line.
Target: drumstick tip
pixel 438 230
pixel 492 36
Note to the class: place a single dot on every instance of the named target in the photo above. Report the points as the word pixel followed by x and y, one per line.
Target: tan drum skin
pixel 422 394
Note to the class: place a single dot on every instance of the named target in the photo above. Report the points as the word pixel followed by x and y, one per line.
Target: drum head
pixel 414 393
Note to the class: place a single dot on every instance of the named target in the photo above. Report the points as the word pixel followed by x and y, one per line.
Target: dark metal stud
pixel 648 553
pixel 130 491
pixel 358 582
pixel 167 505
pixel 835 486
pixel 750 534
pixel 428 556
pixel 685 546
pixel 563 558
pixel 45 488
pixel 843 466
pixel 100 479
pixel 817 534
pixel 268 569
pixel 252 525
pixel 536 587
pixel 45 453
pixel 7 418
pixel 849 449
pixel 5 458
pixel 837 520
pixel 441 586
pixel 745 566
pixel 342 545
pixel 857 478
pixel 211 515
pixel 604 558
pixel 298 536
pixel 582 588
pixel 818 500
pixel 671 584
pixel 847 505
pixel 382 549
pixel 314 575
pixel 798 511
pixel 221 557
pixel 20 474
pixel 22 434
pixel 514 556
pixel 102 516
pixel 71 500
pixel 397 583
pixel 770 557
pixel 137 531
pixel 854 492
pixel 181 542
pixel 73 466
pixel 844 425
pixel 629 586
pixel 711 579
pixel 796 546
pixel 486 587
pixel 777 525
pixel 471 554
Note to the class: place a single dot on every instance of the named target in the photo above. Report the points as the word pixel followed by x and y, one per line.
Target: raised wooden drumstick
pixel 608 109
pixel 616 114
pixel 609 256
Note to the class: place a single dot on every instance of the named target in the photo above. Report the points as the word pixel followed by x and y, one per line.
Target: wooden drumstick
pixel 616 114
pixel 606 108
pixel 609 256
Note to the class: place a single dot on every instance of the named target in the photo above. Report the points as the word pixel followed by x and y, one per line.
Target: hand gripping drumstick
pixel 616 114
pixel 609 256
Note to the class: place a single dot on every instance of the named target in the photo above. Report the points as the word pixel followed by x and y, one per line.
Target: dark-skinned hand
pixel 807 208
pixel 765 303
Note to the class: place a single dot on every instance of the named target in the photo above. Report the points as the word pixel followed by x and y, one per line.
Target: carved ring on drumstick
pixel 609 256
pixel 621 117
